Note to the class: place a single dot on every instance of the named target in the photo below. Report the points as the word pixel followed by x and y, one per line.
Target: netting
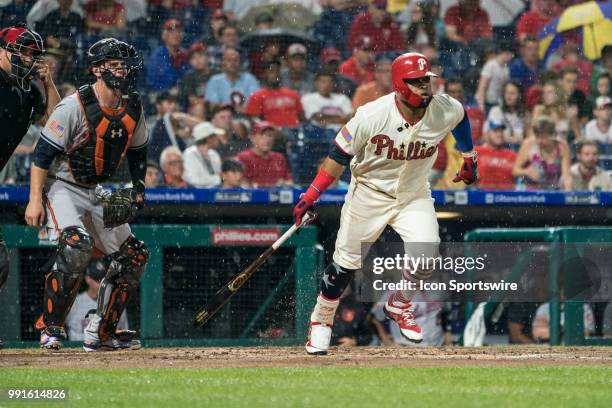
pixel 193 275
pixel 31 285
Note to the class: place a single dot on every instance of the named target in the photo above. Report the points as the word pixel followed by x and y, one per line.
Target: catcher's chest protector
pixel 96 158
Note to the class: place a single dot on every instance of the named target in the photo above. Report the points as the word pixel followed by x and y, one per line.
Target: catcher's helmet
pixel 411 65
pixel 26 48
pixel 109 49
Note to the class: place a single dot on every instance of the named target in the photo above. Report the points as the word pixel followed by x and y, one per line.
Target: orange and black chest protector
pixel 109 134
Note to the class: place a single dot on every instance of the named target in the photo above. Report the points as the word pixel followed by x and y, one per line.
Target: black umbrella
pixel 285 37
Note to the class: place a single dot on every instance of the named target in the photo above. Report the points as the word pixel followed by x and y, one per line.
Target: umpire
pixel 21 101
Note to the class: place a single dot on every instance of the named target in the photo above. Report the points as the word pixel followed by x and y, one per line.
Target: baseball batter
pixel 391 145
pixel 82 144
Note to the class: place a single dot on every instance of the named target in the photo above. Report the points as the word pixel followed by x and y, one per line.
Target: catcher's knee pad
pixel 64 273
pixel 335 280
pixel 4 263
pixel 123 275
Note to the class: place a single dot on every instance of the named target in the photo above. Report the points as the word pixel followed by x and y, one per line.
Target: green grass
pixel 575 386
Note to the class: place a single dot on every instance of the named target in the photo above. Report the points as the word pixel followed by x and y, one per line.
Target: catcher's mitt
pixel 118 207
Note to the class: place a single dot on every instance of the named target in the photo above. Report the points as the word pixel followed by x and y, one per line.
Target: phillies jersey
pixel 389 154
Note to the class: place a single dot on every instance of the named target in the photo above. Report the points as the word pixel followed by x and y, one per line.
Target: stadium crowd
pixel 248 94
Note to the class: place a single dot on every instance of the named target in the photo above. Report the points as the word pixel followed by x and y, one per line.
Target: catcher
pixel 81 145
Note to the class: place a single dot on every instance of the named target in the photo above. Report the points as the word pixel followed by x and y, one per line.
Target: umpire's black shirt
pixel 18 109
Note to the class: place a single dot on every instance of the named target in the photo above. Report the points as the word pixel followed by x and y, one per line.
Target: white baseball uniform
pixel 390 167
pixel 70 204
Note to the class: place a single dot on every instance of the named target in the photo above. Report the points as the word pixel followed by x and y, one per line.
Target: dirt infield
pixel 296 357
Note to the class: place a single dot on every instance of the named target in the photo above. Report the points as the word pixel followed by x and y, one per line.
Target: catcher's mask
pixel 25 49
pixel 114 57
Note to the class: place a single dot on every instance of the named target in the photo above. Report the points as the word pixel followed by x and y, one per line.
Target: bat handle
pixel 307 217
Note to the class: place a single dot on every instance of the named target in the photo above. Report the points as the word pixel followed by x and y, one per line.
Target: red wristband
pixel 320 183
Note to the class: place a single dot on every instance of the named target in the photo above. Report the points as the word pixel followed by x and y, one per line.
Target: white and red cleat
pixel 404 318
pixel 319 336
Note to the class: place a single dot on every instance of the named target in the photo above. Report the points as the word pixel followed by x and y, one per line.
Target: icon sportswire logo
pixel 234 236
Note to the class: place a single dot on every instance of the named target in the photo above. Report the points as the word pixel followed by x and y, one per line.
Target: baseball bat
pixel 224 294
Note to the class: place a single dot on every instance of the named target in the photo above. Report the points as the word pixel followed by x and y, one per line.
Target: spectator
pixel 511 112
pixel 466 22
pixel 269 51
pixel 152 175
pixel 264 168
pixel 520 318
pixel 600 128
pixel 493 76
pixel 454 87
pixel 381 84
pixel 532 21
pixel 377 25
pixel 212 35
pixel 526 68
pixel 330 60
pixel 165 102
pixel 586 174
pixel 61 23
pixel 192 86
pixel 324 108
pixel 171 163
pixel 272 103
pixel 228 39
pixel 495 162
pixel 604 86
pixel 604 67
pixel 573 61
pixel 202 162
pixel 422 28
pixel 576 99
pixel 334 24
pixel 232 174
pixel 106 17
pixel 295 75
pixel 173 129
pixel 554 104
pixel 541 321
pixel 232 86
pixel 231 142
pixel 169 62
pixel 543 161
pixel 86 301
pixel 359 67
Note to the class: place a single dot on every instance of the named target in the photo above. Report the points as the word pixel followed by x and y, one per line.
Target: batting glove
pixel 468 173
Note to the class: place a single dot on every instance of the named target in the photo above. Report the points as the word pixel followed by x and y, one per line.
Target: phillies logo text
pixel 414 151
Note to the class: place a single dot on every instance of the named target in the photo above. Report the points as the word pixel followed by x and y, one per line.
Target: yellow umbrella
pixel 581 15
pixel 595 20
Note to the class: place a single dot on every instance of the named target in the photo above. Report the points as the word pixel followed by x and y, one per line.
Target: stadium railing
pixel 187 264
pixel 560 270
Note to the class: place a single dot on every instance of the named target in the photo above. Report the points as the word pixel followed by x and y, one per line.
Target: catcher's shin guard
pixel 123 276
pixel 65 273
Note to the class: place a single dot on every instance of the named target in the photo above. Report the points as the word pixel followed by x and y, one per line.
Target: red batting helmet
pixel 411 65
